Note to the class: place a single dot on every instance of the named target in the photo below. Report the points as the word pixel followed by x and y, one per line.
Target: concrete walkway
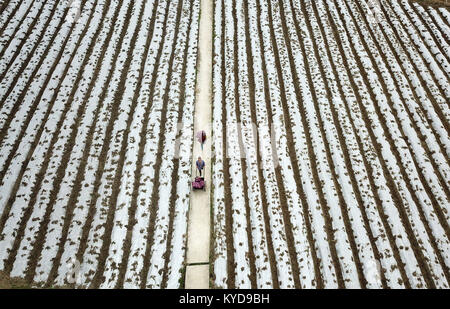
pixel 197 259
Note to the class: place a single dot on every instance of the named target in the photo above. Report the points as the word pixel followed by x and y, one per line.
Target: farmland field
pixel 93 96
pixel 330 145
pixel 331 125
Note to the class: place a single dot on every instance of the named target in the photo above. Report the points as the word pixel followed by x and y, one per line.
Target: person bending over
pixel 200 165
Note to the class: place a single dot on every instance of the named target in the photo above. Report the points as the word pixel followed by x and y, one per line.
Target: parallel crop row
pixel 96 114
pixel 331 124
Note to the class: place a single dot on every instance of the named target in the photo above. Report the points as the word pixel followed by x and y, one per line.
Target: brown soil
pixel 422 138
pixel 347 160
pixel 226 169
pixel 118 97
pixel 438 26
pixel 29 209
pixel 161 141
pixel 27 61
pixel 13 12
pixel 424 182
pixel 433 3
pixel 446 21
pixel 421 80
pixel 425 42
pixel 355 186
pixel 342 204
pixel 279 41
pixel 261 178
pixel 114 113
pixel 391 183
pixel 132 209
pixel 176 161
pixel 369 168
pixel 405 176
pixel 21 96
pixel 426 63
pixel 418 34
pixel 27 34
pixel 7 282
pixel 281 196
pixel 251 254
pixel 42 231
pixel 312 156
pixel 430 31
pixel 12 283
pixel 72 203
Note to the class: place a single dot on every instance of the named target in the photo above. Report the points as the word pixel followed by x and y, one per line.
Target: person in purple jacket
pixel 201 137
pixel 200 165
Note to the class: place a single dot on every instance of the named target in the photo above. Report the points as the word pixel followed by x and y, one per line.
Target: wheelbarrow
pixel 199 183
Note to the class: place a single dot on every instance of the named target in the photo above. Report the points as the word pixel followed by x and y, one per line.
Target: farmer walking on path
pixel 200 165
pixel 201 136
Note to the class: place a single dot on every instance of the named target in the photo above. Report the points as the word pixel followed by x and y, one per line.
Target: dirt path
pixel 197 259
